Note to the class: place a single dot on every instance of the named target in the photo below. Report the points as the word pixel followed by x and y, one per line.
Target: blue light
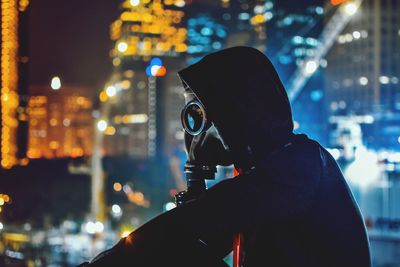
pixel 269 5
pixel 156 61
pixel 226 16
pixel 191 32
pixel 316 95
pixel 298 52
pixel 268 15
pixel 285 60
pixel 191 49
pixel 311 41
pixel 206 31
pixel 287 20
pixel 191 22
pixel 297 39
pixel 216 45
pixel 319 10
pixel 202 20
pixel 244 16
pixel 221 33
pixel 148 71
pixel 205 40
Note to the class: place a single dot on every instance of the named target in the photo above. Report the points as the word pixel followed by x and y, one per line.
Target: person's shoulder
pixel 305 141
pixel 299 162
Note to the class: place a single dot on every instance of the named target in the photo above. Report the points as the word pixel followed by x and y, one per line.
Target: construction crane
pixel 327 38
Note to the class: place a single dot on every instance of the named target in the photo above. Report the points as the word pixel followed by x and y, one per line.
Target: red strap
pixel 238 241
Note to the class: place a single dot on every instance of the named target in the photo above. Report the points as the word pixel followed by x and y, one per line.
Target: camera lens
pixel 193 118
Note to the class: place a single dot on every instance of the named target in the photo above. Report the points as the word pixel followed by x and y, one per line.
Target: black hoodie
pixel 294 207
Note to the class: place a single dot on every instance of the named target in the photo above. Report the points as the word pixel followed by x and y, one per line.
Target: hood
pixel 244 98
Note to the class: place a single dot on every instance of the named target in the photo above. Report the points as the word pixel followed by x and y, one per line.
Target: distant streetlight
pixel 111 91
pixel 310 67
pixel 116 211
pixel 350 8
pixel 55 83
pixel 102 125
pixel 1 226
pixel 99 227
pixel 94 227
pixel 135 2
pixel 122 47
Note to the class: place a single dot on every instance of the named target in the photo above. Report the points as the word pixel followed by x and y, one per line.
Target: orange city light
pixel 338 2
pixel 117 187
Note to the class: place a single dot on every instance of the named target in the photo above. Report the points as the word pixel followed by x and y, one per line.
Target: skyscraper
pixel 148 37
pixel 60 122
pixel 292 37
pixel 214 25
pixel 14 83
pixel 362 77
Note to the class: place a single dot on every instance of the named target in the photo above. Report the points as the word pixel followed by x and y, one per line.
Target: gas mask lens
pixel 194 118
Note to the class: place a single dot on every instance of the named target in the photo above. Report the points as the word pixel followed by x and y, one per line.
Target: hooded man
pixel 291 201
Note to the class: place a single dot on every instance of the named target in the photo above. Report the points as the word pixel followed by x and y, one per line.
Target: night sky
pixel 70 38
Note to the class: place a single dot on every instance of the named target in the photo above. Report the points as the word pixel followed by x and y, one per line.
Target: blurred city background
pixel 91 139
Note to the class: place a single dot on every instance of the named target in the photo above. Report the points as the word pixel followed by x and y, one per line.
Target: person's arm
pixel 231 206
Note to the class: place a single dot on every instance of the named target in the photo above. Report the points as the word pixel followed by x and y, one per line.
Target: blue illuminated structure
pixel 205 35
pixel 293 35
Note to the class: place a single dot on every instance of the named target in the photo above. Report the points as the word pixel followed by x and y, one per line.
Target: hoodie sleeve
pixel 231 206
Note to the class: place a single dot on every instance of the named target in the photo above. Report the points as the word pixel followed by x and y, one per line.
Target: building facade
pixel 14 82
pixel 149 39
pixel 293 33
pixel 362 77
pixel 60 122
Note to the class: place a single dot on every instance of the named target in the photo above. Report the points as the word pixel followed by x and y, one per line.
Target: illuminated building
pixel 148 37
pixel 13 81
pixel 214 25
pixel 362 77
pixel 292 37
pixel 60 122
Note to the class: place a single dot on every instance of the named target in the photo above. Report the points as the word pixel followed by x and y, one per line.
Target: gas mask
pixel 203 143
pixel 204 146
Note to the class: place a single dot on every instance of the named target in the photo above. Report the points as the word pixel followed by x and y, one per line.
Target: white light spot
pixel 342 39
pixel 135 2
pixel 356 35
pixel 335 153
pixel 55 83
pixel 122 47
pixel 169 206
pixel 310 67
pixel 116 209
pixel 384 79
pixel 350 9
pixel 364 34
pixel 363 81
pixel 90 228
pixel 154 69
pixel 102 125
pixel 99 227
pixel 111 91
pixel 349 37
pixel 180 3
pixel 364 170
pixel 125 234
